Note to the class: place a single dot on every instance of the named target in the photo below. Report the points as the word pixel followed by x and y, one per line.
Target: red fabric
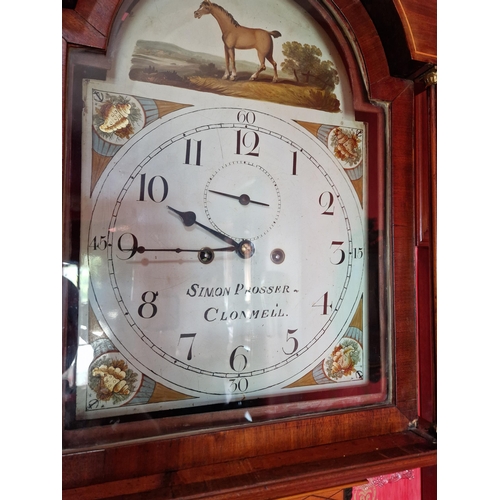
pixel 401 486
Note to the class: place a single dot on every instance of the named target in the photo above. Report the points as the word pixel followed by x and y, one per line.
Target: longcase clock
pixel 241 215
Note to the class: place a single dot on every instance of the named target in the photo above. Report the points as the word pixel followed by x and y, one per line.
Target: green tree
pixel 209 70
pixel 303 61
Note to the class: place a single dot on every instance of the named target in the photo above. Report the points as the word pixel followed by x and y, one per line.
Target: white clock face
pixel 226 254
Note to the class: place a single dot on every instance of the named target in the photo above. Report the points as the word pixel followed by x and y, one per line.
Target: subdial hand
pixel 244 199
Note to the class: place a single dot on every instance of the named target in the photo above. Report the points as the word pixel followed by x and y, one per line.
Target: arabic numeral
pixel 323 304
pixel 294 163
pixel 326 201
pixel 294 341
pixel 156 188
pixel 246 117
pixel 238 361
pixel 188 159
pixel 337 253
pixel 358 253
pixel 238 385
pixel 188 336
pixel 148 308
pixel 127 242
pixel 249 141
pixel 99 244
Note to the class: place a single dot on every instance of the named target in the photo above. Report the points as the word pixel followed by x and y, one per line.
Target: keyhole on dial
pixel 206 255
pixel 277 256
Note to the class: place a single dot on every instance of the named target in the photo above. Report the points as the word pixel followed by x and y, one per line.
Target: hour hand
pixel 189 218
pixel 245 248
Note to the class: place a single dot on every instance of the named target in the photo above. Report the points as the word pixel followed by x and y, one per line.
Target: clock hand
pixel 141 249
pixel 244 248
pixel 244 199
pixel 189 218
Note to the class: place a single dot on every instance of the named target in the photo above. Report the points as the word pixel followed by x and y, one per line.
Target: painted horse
pixel 236 36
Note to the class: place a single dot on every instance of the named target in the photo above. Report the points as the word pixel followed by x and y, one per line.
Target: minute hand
pixel 179 250
pixel 189 218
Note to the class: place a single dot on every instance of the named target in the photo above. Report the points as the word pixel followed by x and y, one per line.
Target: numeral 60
pixel 246 117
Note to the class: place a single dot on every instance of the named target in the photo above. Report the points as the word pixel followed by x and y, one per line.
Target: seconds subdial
pixel 242 200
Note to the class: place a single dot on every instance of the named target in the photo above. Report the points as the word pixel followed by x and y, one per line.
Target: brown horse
pixel 235 36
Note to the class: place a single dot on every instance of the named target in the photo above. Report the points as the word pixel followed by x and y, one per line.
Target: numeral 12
pixel 249 140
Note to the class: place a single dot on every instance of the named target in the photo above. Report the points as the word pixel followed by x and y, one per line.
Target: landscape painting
pixel 241 64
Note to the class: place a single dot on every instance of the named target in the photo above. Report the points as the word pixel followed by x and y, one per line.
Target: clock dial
pixel 226 255
pixel 250 217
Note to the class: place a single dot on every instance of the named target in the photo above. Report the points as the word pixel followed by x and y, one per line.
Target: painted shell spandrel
pixel 346 145
pixel 115 117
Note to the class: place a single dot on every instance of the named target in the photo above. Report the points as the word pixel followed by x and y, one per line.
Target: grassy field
pixel 283 91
